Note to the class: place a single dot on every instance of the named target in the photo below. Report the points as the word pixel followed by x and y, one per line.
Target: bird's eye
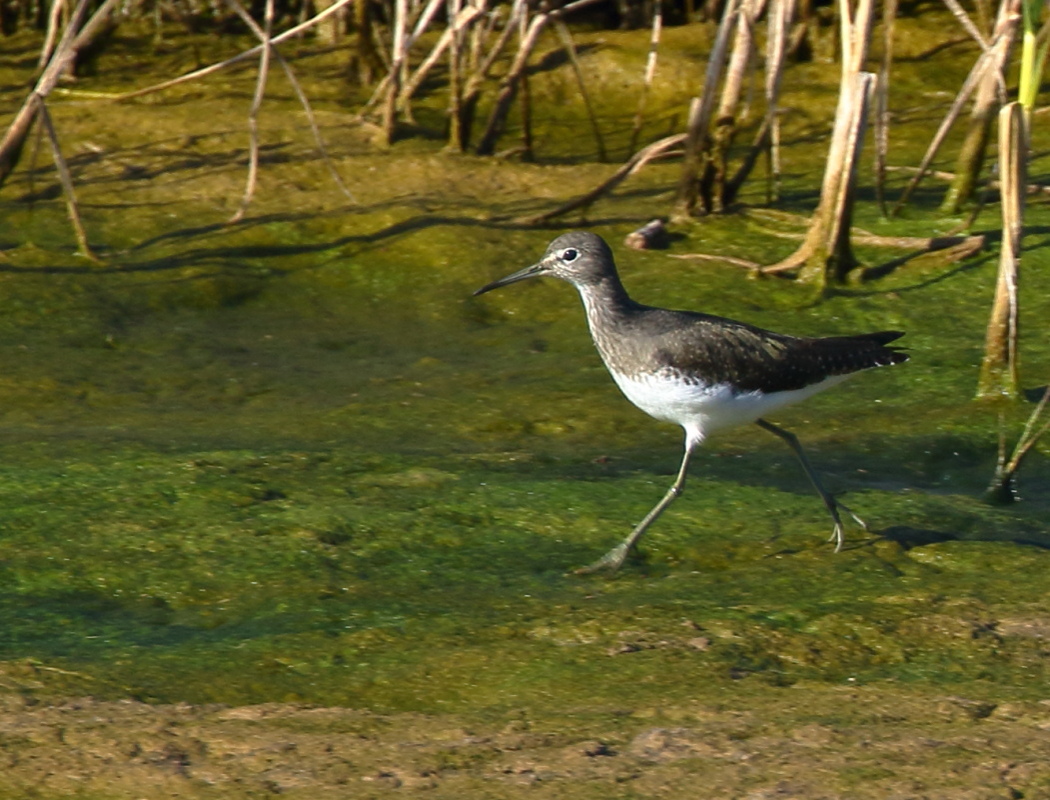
pixel 569 254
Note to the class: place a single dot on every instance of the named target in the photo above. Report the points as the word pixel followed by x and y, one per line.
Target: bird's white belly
pixel 702 408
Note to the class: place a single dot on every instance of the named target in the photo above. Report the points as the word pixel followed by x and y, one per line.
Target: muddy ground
pixel 852 742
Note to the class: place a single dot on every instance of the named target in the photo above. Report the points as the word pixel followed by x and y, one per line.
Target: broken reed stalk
pixel 289 73
pixel 462 18
pixel 697 136
pixel 713 181
pixel 253 114
pixel 66 180
pixel 650 73
pixel 781 14
pixel 767 138
pixel 525 101
pixel 840 258
pixel 882 105
pixel 394 76
pixel 968 24
pixel 989 95
pixel 628 168
pixel 998 374
pixel 826 255
pixel 74 38
pixel 512 80
pixel 510 84
pixel 1001 490
pixel 989 66
pixel 570 47
pixel 424 16
pixel 54 16
pixel 242 56
pixel 454 41
pixel 472 89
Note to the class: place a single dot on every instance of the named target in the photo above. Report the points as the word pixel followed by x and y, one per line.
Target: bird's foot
pixel 838 536
pixel 610 562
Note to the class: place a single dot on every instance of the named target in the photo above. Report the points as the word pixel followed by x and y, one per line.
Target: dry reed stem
pixel 825 253
pixel 66 180
pixel 242 56
pixel 999 374
pixel 700 109
pixel 993 58
pixel 570 47
pixel 882 105
pixel 74 37
pixel 648 75
pixel 54 15
pixel 299 93
pixel 781 14
pixel 461 20
pixel 628 168
pixel 253 114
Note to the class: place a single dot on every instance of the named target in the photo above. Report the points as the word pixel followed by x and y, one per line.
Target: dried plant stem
pixel 450 37
pixel 66 180
pixel 781 14
pixel 1001 489
pixel 512 80
pixel 243 56
pixel 299 93
pixel 998 375
pixel 398 52
pixel 650 73
pixel 988 66
pixel 988 97
pixel 700 110
pixel 767 138
pixel 510 84
pixel 54 16
pixel 455 75
pixel 714 182
pixel 882 104
pixel 570 47
pixel 628 168
pixel 964 19
pixel 74 37
pixel 826 255
pixel 253 115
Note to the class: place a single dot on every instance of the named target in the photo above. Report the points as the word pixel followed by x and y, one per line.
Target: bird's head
pixel 579 257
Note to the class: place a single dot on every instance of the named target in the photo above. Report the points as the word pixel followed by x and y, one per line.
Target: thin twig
pixel 53 17
pixel 632 165
pixel 461 20
pixel 570 47
pixel 242 56
pixel 253 114
pixel 299 93
pixel 882 105
pixel 987 60
pixel 964 19
pixel 650 73
pixel 511 81
pixel 736 262
pixel 66 180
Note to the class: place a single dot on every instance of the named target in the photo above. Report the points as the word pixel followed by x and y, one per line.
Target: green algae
pixel 293 460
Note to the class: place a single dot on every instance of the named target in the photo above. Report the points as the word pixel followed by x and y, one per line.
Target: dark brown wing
pixel 752 359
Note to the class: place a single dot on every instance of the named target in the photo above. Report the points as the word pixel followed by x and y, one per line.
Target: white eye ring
pixel 569 254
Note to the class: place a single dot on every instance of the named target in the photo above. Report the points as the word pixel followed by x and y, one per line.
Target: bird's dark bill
pixel 520 275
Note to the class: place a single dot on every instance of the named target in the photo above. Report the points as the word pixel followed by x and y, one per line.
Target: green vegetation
pixel 293 460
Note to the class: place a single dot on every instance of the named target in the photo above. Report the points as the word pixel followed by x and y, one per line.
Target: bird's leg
pixel 614 559
pixel 830 502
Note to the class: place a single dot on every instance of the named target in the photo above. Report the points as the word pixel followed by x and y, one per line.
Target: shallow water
pixel 293 459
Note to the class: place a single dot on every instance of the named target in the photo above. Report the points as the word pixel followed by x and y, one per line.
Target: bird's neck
pixel 606 301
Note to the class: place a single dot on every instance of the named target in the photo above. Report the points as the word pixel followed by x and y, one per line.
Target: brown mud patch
pixel 802 742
